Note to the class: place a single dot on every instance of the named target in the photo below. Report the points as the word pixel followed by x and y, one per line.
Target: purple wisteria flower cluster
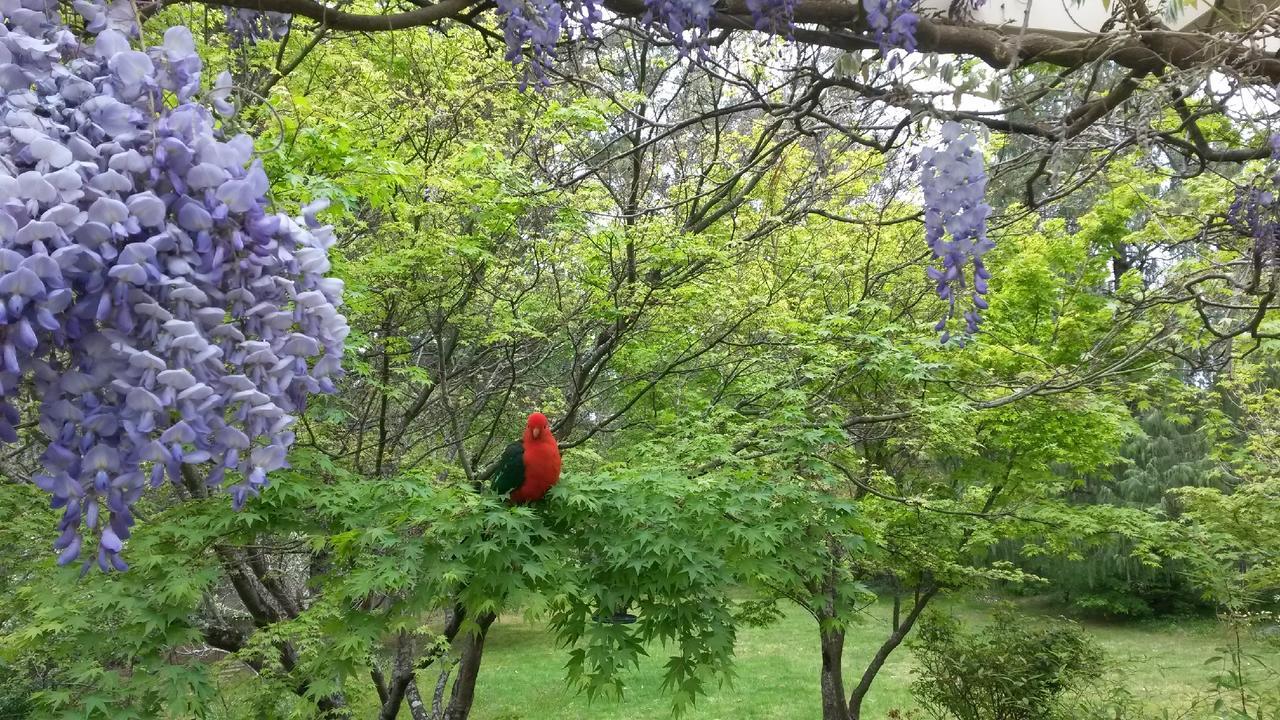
pixel 154 315
pixel 687 22
pixel 536 24
pixel 893 23
pixel 532 28
pixel 954 180
pixel 1255 214
pixel 585 14
pixel 248 27
pixel 1255 210
pixel 777 16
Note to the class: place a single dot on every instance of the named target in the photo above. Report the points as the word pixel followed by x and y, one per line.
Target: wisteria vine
pixel 686 22
pixel 1255 210
pixel 537 24
pixel 893 24
pixel 776 16
pixel 156 315
pixel 1255 213
pixel 248 27
pixel 954 180
pixel 533 28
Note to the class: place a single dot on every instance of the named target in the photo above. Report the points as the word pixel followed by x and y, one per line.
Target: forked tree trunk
pixel 464 685
pixel 900 631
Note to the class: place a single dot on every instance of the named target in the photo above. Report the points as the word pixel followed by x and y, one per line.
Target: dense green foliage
pixel 1107 577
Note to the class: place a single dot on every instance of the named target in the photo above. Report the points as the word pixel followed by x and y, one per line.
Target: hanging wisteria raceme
pixel 1255 214
pixel 532 28
pixel 893 23
pixel 155 315
pixel 585 14
pixel 686 22
pixel 1255 210
pixel 248 27
pixel 777 16
pixel 954 180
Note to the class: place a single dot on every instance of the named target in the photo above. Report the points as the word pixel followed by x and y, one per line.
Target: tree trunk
pixel 834 706
pixel 392 694
pixel 1121 263
pixel 402 684
pixel 464 685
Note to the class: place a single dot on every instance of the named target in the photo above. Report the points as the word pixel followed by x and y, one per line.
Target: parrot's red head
pixel 538 427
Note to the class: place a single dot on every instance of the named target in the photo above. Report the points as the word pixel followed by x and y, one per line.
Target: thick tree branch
pixel 340 20
pixel 1139 49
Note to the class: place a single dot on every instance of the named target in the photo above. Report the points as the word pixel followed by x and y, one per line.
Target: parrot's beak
pixel 536 433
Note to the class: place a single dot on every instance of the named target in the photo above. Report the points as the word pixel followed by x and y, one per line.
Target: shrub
pixel 1015 669
pixel 16 688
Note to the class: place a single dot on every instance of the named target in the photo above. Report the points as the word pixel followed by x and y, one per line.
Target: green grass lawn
pixel 777 670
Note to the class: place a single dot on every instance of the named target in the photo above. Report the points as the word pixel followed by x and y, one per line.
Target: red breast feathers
pixel 541 460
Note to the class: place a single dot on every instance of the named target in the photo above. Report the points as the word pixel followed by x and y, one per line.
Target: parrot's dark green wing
pixel 510 469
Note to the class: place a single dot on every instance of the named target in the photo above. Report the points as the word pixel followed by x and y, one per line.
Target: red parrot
pixel 531 467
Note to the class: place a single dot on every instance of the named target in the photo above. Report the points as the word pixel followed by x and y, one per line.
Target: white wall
pixel 1068 17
